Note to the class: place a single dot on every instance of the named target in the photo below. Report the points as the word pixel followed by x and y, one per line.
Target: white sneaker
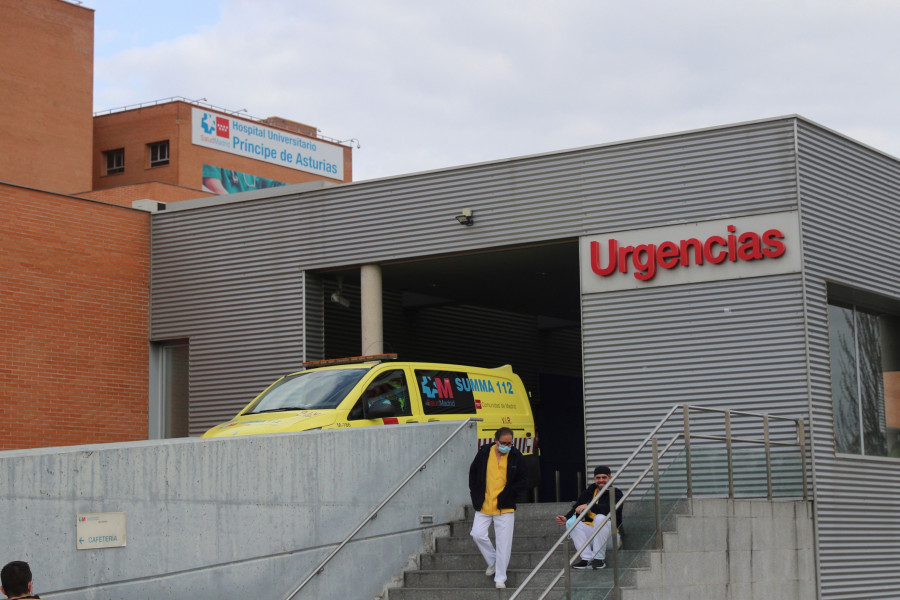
pixel 490 570
pixel 499 585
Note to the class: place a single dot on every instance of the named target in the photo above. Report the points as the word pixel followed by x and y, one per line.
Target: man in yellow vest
pixel 497 476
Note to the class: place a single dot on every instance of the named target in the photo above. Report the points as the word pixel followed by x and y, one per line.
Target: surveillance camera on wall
pixel 465 218
pixel 337 298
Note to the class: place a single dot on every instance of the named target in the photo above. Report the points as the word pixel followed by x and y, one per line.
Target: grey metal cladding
pixel 735 344
pixel 229 277
pixel 313 317
pixel 850 203
pixel 735 171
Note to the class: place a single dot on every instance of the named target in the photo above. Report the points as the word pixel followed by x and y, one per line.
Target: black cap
pixel 602 470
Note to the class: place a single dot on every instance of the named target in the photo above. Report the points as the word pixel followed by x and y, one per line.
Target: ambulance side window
pixel 389 387
pixel 445 392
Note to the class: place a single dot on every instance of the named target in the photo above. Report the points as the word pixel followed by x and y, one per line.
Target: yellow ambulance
pixel 377 390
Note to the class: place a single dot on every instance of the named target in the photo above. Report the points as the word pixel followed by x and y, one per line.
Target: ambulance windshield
pixel 308 390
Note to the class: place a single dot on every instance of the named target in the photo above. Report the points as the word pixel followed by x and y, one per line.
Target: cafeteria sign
pixel 100 530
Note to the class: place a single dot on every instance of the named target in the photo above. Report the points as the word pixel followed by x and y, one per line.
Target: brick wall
pixel 46 88
pixel 132 130
pixel 74 316
pixel 154 190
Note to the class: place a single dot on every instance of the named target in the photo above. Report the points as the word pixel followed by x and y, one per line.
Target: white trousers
pixel 503 534
pixel 598 546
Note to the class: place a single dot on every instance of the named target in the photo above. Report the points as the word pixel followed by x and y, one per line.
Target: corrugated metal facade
pixel 731 344
pixel 236 279
pixel 229 277
pixel 227 282
pixel 850 203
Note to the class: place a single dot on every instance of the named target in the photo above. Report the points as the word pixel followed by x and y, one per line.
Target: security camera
pixel 337 298
pixel 466 217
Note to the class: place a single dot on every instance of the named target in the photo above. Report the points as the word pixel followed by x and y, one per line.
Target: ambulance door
pixel 385 400
pixel 415 397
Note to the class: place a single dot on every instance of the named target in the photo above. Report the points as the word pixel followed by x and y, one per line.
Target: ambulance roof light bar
pixel 349 360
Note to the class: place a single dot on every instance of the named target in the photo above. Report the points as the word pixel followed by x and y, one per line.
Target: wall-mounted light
pixel 466 217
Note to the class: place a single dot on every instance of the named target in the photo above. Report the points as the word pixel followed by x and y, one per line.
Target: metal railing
pixel 652 441
pixel 241 114
pixel 320 568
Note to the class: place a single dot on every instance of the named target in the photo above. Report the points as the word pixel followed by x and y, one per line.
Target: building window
pixel 865 379
pixel 115 160
pixel 159 153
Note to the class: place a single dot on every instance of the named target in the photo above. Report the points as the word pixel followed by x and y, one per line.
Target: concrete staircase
pixel 455 570
pixel 713 549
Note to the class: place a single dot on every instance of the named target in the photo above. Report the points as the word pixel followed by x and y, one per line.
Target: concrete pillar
pixel 372 317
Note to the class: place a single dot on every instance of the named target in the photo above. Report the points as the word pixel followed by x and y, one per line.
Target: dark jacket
pixel 601 508
pixel 516 477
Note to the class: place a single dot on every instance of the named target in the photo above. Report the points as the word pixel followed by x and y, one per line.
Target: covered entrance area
pixel 513 305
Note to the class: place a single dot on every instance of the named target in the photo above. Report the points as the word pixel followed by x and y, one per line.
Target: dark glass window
pixel 446 392
pixel 390 388
pixel 308 390
pixel 159 153
pixel 865 388
pixel 115 160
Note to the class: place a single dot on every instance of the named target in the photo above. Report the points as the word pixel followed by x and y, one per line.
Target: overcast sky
pixel 432 84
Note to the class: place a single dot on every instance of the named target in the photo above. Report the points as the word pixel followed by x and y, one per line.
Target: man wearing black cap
pixel 594 555
pixel 16 581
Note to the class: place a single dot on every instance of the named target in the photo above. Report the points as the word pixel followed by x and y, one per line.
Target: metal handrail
pixel 651 438
pixel 593 501
pixel 321 566
pixel 597 526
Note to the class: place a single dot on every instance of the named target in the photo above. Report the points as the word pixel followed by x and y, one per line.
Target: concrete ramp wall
pixel 232 518
pixel 732 550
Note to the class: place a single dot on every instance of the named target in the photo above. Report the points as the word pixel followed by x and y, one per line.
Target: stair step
pixel 468 579
pixel 597 583
pixel 474 562
pixel 464 594
pixel 521 543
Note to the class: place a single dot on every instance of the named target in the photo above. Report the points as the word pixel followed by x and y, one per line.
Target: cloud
pixel 429 85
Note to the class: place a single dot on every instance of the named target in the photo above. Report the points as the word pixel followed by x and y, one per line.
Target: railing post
pixel 568 570
pixel 614 534
pixel 728 453
pixel 802 441
pixel 579 488
pixel 658 510
pixel 687 449
pixel 557 486
pixel 768 456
